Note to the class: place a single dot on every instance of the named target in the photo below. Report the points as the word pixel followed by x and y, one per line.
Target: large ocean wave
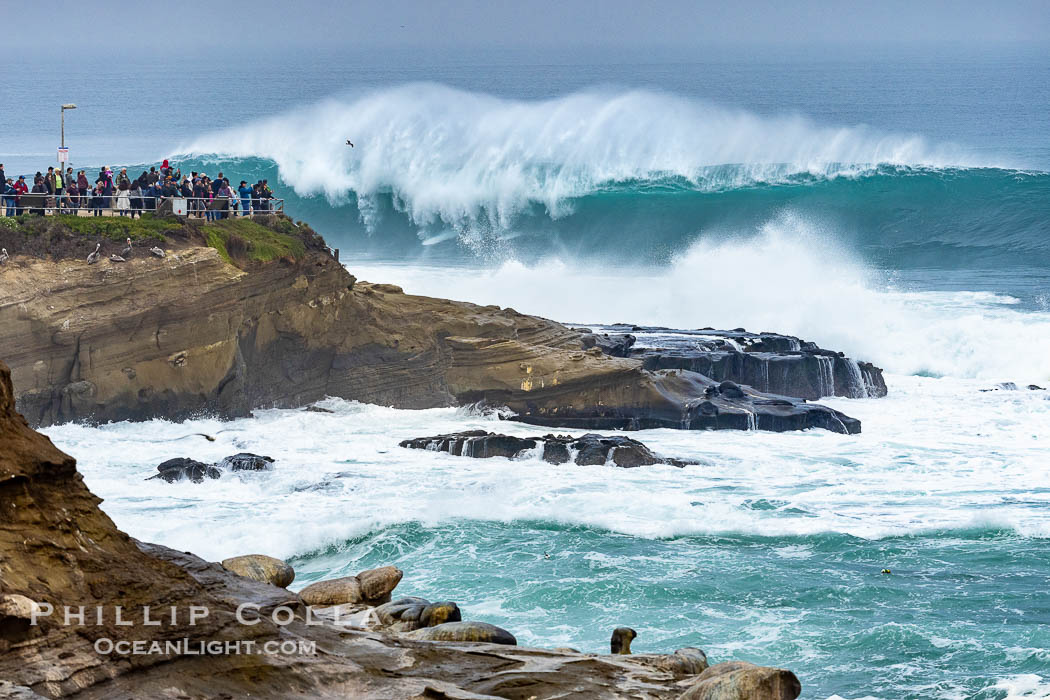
pixel 437 171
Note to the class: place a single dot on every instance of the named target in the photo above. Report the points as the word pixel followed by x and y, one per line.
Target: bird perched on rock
pixel 157 251
pixel 94 256
pixel 3 255
pixel 126 253
pixel 116 258
pixel 621 640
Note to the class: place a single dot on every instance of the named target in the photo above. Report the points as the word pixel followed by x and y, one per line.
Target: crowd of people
pixel 69 193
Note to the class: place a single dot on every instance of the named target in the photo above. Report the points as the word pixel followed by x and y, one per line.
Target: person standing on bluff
pixel 20 189
pixel 69 181
pixel 124 196
pixel 106 180
pixel 9 197
pixel 246 197
pixel 39 187
pixel 135 197
pixel 83 188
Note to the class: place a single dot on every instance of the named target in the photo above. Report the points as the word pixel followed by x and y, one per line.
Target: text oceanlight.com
pixel 193 647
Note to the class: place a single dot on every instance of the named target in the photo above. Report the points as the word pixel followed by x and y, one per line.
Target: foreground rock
pixel 184 469
pixel 260 567
pixel 129 342
pixel 58 548
pixel 370 587
pixel 740 680
pixel 556 449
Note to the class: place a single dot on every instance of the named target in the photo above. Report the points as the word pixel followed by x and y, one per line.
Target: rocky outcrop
pixel 58 550
pixel 185 469
pixel 245 462
pixel 769 362
pixel 556 449
pixel 192 333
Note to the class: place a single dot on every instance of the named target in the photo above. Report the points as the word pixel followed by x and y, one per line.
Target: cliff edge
pixel 234 315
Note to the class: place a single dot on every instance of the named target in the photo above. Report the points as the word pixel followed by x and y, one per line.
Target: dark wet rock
pixel 246 461
pixel 474 443
pixel 740 680
pixel 730 390
pixel 318 409
pixel 556 452
pixel 260 567
pixel 590 449
pixel 1003 386
pixel 616 345
pixel 465 632
pixel 182 468
pixel 1012 386
pixel 620 643
pixel 437 614
pixel 681 400
pixel 768 362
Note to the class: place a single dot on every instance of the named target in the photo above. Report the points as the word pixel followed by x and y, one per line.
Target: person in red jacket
pixel 21 188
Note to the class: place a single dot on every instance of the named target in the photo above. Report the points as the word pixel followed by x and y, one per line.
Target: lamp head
pixel 69 106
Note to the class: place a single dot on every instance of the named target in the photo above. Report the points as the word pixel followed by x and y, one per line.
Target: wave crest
pixel 455 158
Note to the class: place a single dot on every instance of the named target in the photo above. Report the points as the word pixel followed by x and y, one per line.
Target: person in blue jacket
pixel 9 196
pixel 246 197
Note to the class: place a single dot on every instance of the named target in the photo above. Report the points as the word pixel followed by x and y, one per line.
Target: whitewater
pixel 644 206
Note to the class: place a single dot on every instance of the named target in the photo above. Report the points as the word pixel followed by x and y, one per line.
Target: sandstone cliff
pixel 195 333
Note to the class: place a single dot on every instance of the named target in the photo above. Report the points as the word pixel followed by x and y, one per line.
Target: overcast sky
pixel 189 24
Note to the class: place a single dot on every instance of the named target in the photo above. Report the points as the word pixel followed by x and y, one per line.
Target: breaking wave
pixel 439 171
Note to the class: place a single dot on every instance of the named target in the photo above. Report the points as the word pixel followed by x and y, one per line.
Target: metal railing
pixel 97 205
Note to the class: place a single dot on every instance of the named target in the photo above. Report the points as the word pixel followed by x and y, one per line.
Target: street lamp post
pixel 64 108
